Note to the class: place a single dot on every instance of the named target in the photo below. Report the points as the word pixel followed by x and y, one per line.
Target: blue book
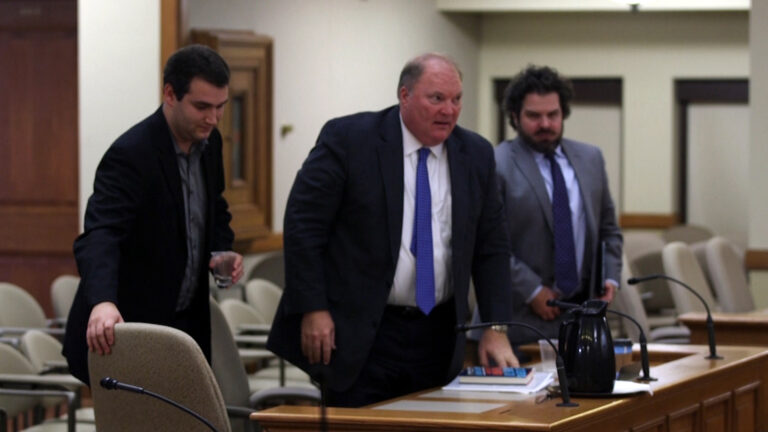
pixel 496 375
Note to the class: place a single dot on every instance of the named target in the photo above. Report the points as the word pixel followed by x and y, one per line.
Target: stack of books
pixel 496 375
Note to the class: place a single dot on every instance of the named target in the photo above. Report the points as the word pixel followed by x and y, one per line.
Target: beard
pixel 540 142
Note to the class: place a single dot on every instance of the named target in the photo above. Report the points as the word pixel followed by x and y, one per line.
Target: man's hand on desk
pixel 495 345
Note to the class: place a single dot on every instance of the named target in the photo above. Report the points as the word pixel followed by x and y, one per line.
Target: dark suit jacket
pixel 342 233
pixel 133 251
pixel 529 213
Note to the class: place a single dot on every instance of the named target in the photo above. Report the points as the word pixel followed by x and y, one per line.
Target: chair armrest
pixel 262 329
pixel 21 330
pixel 52 380
pixel 255 354
pixel 12 341
pixel 56 322
pixel 238 411
pixel 257 340
pixel 73 401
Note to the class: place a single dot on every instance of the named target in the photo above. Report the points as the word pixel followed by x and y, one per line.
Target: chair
pixel 680 263
pixel 264 296
pixel 20 311
pixel 163 360
pixel 727 273
pixel 638 243
pixel 270 266
pixel 234 382
pixel 44 353
pixel 242 318
pixel 63 290
pixel 687 233
pixel 42 350
pixel 627 300
pixel 657 299
pixel 241 315
pixel 14 401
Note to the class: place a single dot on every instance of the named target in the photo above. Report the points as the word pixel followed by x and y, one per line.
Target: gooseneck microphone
pixel 643 341
pixel 113 384
pixel 643 347
pixel 710 324
pixel 564 392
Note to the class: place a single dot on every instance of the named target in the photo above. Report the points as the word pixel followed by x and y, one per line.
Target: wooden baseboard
pixel 648 220
pixel 756 259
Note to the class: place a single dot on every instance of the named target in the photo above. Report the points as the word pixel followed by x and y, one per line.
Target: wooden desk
pixel 730 328
pixel 692 394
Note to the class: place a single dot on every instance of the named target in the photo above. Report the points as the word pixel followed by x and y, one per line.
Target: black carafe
pixel 587 349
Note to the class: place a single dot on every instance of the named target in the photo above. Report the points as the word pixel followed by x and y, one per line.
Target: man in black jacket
pixel 156 213
pixel 359 243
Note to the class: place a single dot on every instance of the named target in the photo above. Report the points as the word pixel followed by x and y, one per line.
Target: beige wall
pixel 647 50
pixel 118 75
pixel 337 57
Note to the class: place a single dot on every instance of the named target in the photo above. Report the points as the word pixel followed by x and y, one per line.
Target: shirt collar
pixel 197 146
pixel 541 157
pixel 411 144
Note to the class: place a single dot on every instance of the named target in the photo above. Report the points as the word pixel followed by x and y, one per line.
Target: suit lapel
pixel 170 167
pixel 390 153
pixel 458 166
pixel 526 163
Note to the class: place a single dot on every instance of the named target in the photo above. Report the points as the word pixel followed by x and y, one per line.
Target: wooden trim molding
pixel 756 259
pixel 648 220
pixel 173 28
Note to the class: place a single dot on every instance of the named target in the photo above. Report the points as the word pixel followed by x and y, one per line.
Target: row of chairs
pixel 713 266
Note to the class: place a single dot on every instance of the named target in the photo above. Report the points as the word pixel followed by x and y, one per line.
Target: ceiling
pixel 502 6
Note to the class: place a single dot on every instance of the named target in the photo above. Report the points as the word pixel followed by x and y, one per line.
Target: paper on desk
pixel 629 387
pixel 539 381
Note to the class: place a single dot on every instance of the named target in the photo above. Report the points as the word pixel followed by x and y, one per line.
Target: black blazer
pixel 342 233
pixel 133 251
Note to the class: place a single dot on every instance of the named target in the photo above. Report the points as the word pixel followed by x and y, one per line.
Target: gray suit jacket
pixel 529 213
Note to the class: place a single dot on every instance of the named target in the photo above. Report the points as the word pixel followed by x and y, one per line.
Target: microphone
pixel 643 347
pixel 113 384
pixel 710 325
pixel 564 393
pixel 322 374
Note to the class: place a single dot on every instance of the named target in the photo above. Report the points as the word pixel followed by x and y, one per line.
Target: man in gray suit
pixel 560 212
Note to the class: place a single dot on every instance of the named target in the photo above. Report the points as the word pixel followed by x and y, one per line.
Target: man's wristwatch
pixel 499 328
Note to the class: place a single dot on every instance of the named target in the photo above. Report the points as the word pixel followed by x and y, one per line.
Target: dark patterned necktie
pixel 421 243
pixel 566 274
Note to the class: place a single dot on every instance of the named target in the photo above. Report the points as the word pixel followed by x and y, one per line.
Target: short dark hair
pixel 194 61
pixel 415 67
pixel 539 80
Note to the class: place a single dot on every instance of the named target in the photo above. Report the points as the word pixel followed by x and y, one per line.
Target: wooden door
pixel 38 143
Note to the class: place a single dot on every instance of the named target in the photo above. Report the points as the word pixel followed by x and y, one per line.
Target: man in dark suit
pixel 388 218
pixel 557 203
pixel 156 213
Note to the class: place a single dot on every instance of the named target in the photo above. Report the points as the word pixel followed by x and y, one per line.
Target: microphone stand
pixel 643 341
pixel 564 393
pixel 710 324
pixel 113 384
pixel 643 348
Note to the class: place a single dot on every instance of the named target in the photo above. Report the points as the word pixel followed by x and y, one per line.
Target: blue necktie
pixel 566 275
pixel 421 243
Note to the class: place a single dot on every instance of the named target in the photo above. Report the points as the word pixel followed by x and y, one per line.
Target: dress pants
pixel 411 352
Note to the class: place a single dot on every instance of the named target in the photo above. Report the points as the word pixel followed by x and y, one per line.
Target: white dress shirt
pixel 403 292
